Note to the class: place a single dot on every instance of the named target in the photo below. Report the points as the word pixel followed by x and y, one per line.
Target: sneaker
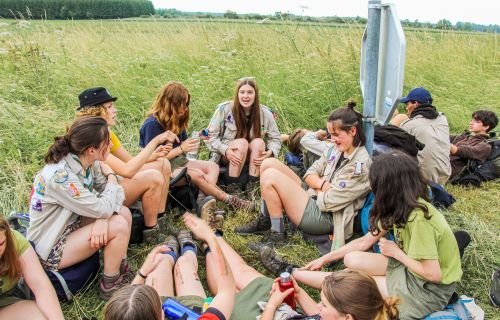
pixel 151 236
pixel 495 289
pixel 257 226
pixel 241 204
pixel 185 238
pixel 171 242
pixel 271 262
pixel 106 292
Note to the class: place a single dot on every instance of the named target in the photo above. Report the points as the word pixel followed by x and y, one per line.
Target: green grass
pixel 303 72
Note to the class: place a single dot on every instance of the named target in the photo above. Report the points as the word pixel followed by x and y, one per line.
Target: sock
pixel 278 224
pixel 233 180
pixel 253 178
pixel 149 227
pixel 207 251
pixel 173 255
pixel 188 247
pixel 109 280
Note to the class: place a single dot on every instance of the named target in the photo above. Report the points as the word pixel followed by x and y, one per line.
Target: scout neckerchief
pixel 88 179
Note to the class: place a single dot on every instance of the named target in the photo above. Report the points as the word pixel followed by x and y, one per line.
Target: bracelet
pixel 180 147
pixel 112 174
pixel 322 185
pixel 140 274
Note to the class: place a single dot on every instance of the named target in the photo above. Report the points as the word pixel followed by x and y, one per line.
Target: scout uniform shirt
pixel 348 189
pixel 222 130
pixel 64 191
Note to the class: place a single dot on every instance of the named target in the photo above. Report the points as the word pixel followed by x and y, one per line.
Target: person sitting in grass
pixel 337 185
pixel 165 268
pixel 243 131
pixel 170 111
pixel 18 259
pixel 77 207
pixel 145 176
pixel 472 145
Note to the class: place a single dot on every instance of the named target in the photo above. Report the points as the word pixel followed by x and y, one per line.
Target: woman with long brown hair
pixel 170 111
pixel 18 259
pixel 243 131
pixel 73 204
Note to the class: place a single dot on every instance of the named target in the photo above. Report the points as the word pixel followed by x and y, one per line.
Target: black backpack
pixel 475 173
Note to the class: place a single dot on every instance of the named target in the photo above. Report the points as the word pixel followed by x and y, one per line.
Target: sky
pixel 478 11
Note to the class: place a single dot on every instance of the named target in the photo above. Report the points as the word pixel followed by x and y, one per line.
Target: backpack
pixel 475 173
pixel 67 282
pixel 182 193
pixel 464 309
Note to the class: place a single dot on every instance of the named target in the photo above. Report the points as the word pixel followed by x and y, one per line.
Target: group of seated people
pixel 80 198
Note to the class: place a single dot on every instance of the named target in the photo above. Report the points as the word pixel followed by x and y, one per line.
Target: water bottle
pixel 174 311
pixel 193 155
pixel 286 283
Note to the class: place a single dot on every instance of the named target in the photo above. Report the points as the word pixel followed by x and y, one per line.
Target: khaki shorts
pixel 245 304
pixel 418 296
pixel 314 221
pixel 12 296
pixel 188 301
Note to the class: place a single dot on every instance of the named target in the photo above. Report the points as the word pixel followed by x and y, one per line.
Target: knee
pixel 241 144
pixel 196 175
pixel 126 214
pixel 257 144
pixel 165 168
pixel 268 177
pixel 351 259
pixel 186 261
pixel 118 224
pixel 213 168
pixel 156 179
pixel 269 163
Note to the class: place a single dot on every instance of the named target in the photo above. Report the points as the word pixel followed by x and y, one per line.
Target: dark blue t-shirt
pixel 151 128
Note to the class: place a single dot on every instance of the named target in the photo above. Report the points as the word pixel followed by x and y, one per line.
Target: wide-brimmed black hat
pixel 94 97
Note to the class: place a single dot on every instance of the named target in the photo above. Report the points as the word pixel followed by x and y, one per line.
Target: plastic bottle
pixel 286 283
pixel 174 310
pixel 193 155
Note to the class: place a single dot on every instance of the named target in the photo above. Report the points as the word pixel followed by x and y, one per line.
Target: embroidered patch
pixel 40 185
pixel 229 118
pixel 61 175
pixel 73 190
pixel 331 158
pixel 342 184
pixel 36 204
pixel 358 168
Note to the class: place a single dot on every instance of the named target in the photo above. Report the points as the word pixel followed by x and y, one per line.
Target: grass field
pixel 303 72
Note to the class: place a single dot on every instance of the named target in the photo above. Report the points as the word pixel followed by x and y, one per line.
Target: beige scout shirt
pixel 64 191
pixel 348 189
pixel 222 130
pixel 434 159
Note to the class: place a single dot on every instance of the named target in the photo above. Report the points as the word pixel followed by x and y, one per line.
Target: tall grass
pixel 303 72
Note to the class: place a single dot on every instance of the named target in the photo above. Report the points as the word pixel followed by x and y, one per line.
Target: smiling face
pixel 343 139
pixel 328 312
pixel 246 96
pixel 111 113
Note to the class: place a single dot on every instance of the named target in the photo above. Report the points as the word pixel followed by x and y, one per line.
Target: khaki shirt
pixel 64 191
pixel 348 189
pixel 222 130
pixel 434 159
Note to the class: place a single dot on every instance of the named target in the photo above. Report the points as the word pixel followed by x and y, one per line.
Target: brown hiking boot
pixel 207 208
pixel 272 262
pixel 241 204
pixel 151 236
pixel 105 292
pixel 257 226
pixel 186 238
pixel 172 243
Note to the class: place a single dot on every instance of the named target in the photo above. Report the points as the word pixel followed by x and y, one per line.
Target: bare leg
pixel 244 274
pixel 77 247
pixel 242 150
pixel 162 165
pixel 207 188
pixel 257 146
pixel 281 192
pixel 161 277
pixel 281 167
pixel 150 186
pixel 21 310
pixel 373 264
pixel 311 278
pixel 187 281
pixel 209 169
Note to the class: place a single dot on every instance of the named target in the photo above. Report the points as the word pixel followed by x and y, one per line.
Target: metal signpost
pixel 383 49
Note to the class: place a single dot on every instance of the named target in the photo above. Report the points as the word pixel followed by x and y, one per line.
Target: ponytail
pixel 85 132
pixel 389 310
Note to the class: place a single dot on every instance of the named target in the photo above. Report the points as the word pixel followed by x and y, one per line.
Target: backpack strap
pixel 63 283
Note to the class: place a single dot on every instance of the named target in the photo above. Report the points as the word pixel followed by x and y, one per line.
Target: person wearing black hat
pixel 431 128
pixel 145 176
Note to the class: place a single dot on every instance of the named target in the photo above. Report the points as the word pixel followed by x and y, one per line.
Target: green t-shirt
pixel 21 245
pixel 431 239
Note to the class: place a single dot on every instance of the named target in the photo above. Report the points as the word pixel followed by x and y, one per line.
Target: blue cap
pixel 418 94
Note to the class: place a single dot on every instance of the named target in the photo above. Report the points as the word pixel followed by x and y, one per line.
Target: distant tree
pixel 444 24
pixel 231 15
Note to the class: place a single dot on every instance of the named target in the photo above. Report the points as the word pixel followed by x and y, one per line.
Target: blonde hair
pixel 134 302
pixel 356 293
pixel 166 107
pixel 93 111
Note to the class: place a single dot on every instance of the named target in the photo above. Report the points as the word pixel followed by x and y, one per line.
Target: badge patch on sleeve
pixel 40 185
pixel 331 158
pixel 36 204
pixel 342 184
pixel 229 118
pixel 358 168
pixel 61 175
pixel 73 190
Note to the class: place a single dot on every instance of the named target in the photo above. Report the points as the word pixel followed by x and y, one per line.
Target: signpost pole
pixel 372 58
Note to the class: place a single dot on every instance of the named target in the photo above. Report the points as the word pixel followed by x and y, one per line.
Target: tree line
pixel 75 9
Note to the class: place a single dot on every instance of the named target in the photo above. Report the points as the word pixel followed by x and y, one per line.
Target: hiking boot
pixel 185 238
pixel 106 292
pixel 495 289
pixel 207 208
pixel 257 226
pixel 241 204
pixel 127 274
pixel 171 242
pixel 275 237
pixel 217 221
pixel 271 261
pixel 164 225
pixel 233 189
pixel 151 236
